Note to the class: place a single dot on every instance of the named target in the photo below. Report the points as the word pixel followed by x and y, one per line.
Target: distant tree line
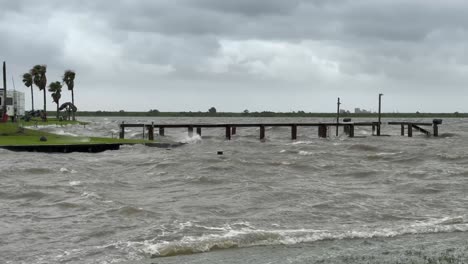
pixel 247 113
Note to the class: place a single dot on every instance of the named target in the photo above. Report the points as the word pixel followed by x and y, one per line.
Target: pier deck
pixel 323 128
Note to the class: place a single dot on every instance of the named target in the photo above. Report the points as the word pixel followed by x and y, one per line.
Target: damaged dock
pixel 323 129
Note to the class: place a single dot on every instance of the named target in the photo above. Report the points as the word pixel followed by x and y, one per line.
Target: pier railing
pixel 323 128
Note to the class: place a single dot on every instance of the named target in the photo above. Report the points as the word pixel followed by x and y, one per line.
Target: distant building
pixel 14 102
pixel 361 111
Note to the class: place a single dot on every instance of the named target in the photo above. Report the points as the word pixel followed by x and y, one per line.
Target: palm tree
pixel 56 89
pixel 69 80
pixel 40 80
pixel 28 82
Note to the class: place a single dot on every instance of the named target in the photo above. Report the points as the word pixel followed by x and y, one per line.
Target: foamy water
pixel 338 200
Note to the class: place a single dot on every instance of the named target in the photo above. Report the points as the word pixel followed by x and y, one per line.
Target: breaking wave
pixel 249 237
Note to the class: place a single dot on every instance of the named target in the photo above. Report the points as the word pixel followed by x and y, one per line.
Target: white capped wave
pixel 388 153
pixel 450 220
pixel 302 142
pixel 248 237
pixel 136 135
pixel 305 153
pixel 75 183
pixel 55 130
pixel 90 195
pixel 65 170
pixel 190 140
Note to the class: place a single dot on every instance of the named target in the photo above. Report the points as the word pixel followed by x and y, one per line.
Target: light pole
pixel 338 116
pixel 380 114
pixel 4 110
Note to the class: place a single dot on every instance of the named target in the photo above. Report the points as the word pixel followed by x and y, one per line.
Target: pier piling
pixel 294 132
pixel 351 130
pixel 199 131
pixel 122 131
pixel 190 131
pixel 228 132
pixel 346 129
pixel 262 132
pixel 234 130
pixel 161 131
pixel 435 126
pixel 322 131
pixel 410 130
pixel 151 132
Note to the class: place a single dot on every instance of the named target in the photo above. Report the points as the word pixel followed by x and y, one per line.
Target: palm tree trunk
pixel 32 98
pixel 45 107
pixel 57 110
pixel 73 102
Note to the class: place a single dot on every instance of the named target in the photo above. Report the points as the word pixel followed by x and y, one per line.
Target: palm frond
pixel 27 79
pixel 39 76
pixel 69 79
pixel 56 89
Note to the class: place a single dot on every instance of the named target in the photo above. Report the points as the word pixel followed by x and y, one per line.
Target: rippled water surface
pixel 338 200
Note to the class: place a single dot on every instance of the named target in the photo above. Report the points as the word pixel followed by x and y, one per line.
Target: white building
pixel 14 100
pixel 361 111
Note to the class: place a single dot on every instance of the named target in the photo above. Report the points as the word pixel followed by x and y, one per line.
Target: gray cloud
pixel 211 51
pixel 247 7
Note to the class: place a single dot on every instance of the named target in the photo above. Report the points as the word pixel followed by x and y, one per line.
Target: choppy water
pixel 340 200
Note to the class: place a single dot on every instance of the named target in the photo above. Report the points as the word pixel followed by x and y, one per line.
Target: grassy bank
pixel 49 122
pixel 11 134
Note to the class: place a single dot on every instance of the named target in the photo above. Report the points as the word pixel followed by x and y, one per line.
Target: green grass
pixel 50 121
pixel 12 134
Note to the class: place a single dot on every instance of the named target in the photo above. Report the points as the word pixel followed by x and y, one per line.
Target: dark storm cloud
pixel 247 7
pixel 402 21
pixel 361 44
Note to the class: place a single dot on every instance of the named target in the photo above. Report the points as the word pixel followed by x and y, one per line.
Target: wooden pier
pixel 418 126
pixel 323 128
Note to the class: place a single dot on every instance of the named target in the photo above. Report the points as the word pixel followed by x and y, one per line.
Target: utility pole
pixel 338 116
pixel 380 114
pixel 4 110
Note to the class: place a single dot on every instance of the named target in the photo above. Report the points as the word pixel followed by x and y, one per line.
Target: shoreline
pixel 266 114
pixel 16 137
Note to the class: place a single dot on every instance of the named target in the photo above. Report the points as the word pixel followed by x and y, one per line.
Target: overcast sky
pixel 279 55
